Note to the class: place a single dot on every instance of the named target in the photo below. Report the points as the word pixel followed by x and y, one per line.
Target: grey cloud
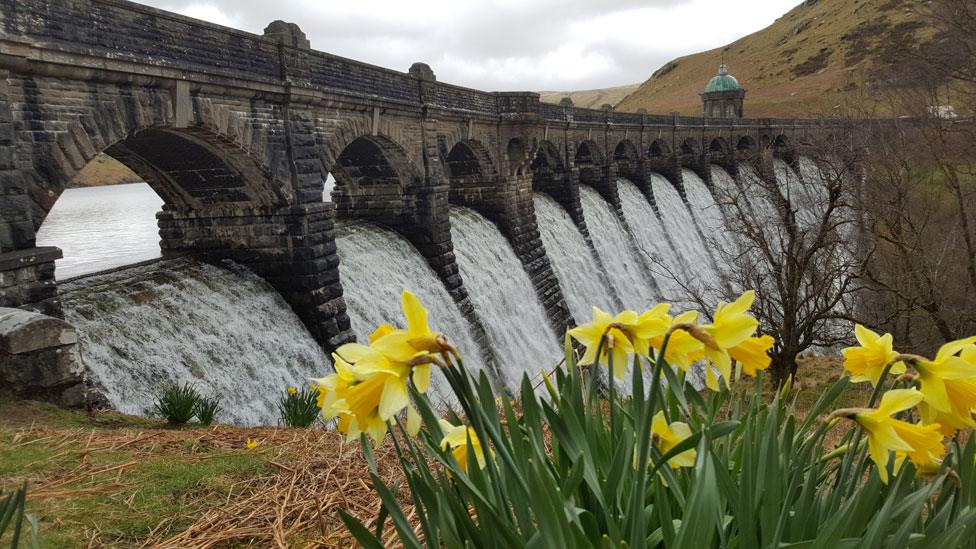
pixel 489 35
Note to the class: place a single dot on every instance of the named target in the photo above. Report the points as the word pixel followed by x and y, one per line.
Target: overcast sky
pixel 506 44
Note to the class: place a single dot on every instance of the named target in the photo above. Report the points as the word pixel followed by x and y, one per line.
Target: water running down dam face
pixel 652 241
pixel 626 269
pixel 375 266
pixel 220 328
pixel 502 293
pixel 686 234
pixel 583 282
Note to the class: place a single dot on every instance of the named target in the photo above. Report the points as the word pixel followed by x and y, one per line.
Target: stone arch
pixel 588 153
pixel 689 147
pixel 626 159
pixel 468 158
pixel 191 169
pixel 228 183
pixel 781 142
pixel 718 145
pixel 375 179
pixel 548 155
pixel 746 144
pixel 659 149
pixel 550 176
pixel 625 150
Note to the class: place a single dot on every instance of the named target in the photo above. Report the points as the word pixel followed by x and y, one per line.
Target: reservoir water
pixel 99 228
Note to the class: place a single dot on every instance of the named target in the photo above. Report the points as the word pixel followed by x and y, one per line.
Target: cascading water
pixel 504 297
pixel 684 232
pixel 220 328
pixel 583 282
pixel 664 263
pixel 626 270
pixel 725 190
pixel 707 211
pixel 375 266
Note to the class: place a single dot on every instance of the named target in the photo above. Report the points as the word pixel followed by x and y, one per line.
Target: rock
pixel 39 358
pixel 24 332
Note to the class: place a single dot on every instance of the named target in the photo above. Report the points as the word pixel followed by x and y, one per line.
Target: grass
pixel 811 59
pixel 106 479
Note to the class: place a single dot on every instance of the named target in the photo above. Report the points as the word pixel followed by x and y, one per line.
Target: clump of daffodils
pixel 664 465
pixel 370 387
pixel 939 401
pixel 731 335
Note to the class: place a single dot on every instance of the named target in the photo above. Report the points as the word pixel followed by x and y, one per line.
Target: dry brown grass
pixel 293 502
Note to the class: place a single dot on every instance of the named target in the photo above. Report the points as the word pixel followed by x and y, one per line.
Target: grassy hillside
pixel 809 62
pixel 591 99
pixel 104 170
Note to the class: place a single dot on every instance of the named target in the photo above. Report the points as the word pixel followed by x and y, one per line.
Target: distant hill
pixel 104 170
pixel 807 63
pixel 591 99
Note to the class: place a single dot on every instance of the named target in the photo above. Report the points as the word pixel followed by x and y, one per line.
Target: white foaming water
pixel 706 210
pixel 375 266
pixel 584 284
pixel 683 229
pixel 754 190
pixel 504 297
pixel 626 270
pixel 221 328
pixel 725 191
pixel 100 228
pixel 664 263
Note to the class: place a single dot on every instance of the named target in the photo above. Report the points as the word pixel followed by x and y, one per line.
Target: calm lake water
pixel 100 228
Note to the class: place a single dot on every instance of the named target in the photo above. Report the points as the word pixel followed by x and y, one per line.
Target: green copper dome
pixel 723 81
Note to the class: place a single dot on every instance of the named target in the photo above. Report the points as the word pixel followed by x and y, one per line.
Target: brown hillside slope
pixel 805 64
pixel 591 99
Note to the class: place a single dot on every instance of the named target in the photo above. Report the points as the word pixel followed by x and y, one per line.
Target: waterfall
pixel 219 327
pixel 702 276
pixel 663 262
pixel 504 297
pixel 583 282
pixel 375 266
pixel 707 211
pixel 626 270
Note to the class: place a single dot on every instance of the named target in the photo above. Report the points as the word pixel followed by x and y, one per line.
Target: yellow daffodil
pixel 618 341
pixel 370 384
pixel 683 348
pixel 251 444
pixel 753 354
pixel 731 326
pixel 868 361
pixel 292 390
pixel 666 437
pixel 457 439
pixel 949 385
pixel 922 444
pixel 649 329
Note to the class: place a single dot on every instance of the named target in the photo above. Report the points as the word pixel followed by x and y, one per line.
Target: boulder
pixel 39 358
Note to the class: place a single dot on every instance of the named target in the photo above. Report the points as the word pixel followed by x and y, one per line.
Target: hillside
pixel 591 99
pixel 104 170
pixel 809 62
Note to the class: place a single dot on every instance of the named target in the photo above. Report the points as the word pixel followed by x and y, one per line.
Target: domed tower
pixel 723 95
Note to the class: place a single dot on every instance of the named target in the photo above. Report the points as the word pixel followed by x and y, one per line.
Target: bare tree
pixel 794 240
pixel 919 204
pixel 918 207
